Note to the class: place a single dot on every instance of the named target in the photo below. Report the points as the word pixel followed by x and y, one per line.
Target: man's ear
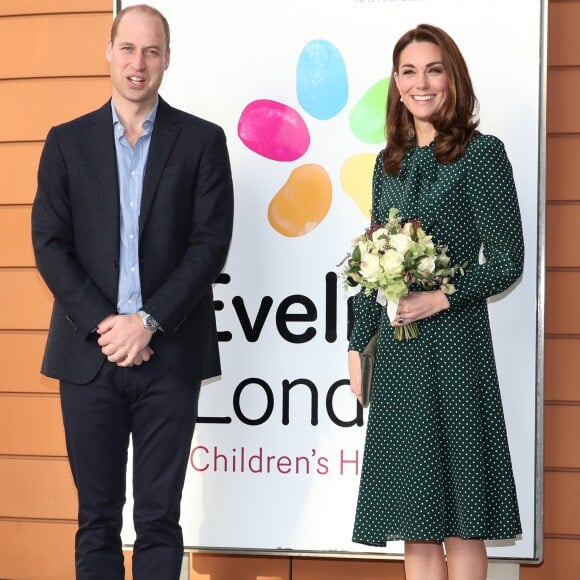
pixel 167 57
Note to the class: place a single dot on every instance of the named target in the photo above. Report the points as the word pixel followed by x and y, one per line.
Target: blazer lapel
pixel 165 131
pixel 105 160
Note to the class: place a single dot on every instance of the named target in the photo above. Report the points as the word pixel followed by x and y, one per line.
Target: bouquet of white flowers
pixel 392 257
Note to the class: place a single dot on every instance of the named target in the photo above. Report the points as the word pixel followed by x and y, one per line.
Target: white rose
pixel 400 242
pixel 409 229
pixel 427 265
pixel 391 260
pixel 369 266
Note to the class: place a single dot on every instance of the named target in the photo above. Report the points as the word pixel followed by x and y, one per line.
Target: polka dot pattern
pixel 436 461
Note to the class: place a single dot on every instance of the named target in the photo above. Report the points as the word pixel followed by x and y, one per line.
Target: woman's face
pixel 422 80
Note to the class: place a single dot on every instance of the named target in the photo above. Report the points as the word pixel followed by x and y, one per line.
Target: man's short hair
pixel 140 8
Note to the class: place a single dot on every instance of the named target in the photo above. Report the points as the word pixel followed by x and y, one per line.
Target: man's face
pixel 137 58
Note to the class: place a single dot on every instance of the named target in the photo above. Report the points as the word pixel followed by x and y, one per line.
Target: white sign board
pixel 299 86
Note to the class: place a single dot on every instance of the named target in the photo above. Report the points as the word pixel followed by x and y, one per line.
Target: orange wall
pixel 53 69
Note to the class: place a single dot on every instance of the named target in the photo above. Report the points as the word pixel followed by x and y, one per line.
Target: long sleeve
pixel 55 244
pixel 367 312
pixel 367 317
pixel 208 241
pixel 494 205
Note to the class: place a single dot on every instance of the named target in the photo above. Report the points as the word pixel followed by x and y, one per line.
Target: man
pixel 131 225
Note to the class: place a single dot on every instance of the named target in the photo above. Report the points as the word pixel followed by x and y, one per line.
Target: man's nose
pixel 138 61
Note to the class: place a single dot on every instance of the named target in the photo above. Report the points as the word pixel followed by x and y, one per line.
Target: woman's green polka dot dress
pixel 436 461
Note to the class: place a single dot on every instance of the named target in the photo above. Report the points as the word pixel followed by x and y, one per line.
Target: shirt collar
pixel 147 124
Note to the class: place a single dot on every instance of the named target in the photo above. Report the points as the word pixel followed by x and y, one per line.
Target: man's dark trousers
pixel 159 412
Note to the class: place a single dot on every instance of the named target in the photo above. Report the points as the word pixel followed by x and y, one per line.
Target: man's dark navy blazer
pixel 185 228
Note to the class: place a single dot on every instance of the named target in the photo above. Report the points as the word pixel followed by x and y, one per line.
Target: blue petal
pixel 321 80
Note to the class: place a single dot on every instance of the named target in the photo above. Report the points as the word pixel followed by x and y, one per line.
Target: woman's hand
pixel 354 372
pixel 420 305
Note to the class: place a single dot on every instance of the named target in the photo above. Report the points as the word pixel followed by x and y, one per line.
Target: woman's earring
pixel 401 99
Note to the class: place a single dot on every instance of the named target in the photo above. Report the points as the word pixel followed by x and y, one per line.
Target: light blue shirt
pixel 131 163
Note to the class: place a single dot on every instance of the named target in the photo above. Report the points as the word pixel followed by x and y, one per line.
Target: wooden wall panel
pixel 37 498
pixel 20 359
pixel 561 427
pixel 37 550
pixel 221 567
pixel 563 47
pixel 562 222
pixel 562 503
pixel 562 183
pixel 19 165
pixel 128 556
pixel 59 45
pixel 562 109
pixel 562 304
pixel 562 347
pixel 561 369
pixel 21 7
pixel 26 301
pixel 15 242
pixel 25 117
pixel 324 569
pixel 37 489
pixel 31 425
pixel 561 562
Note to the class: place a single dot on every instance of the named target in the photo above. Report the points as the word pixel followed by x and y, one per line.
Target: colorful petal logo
pixel 321 81
pixel 273 130
pixel 278 132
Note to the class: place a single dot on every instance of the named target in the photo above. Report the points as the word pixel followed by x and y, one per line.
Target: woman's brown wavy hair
pixel 454 124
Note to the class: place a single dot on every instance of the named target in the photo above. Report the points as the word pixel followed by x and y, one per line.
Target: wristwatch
pixel 148 321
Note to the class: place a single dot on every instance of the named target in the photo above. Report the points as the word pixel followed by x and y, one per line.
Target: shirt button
pixel 131 236
pixel 132 268
pixel 133 173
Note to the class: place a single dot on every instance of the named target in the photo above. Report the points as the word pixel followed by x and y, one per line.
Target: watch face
pixel 149 322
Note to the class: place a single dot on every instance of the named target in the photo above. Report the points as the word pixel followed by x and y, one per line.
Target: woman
pixel 437 471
